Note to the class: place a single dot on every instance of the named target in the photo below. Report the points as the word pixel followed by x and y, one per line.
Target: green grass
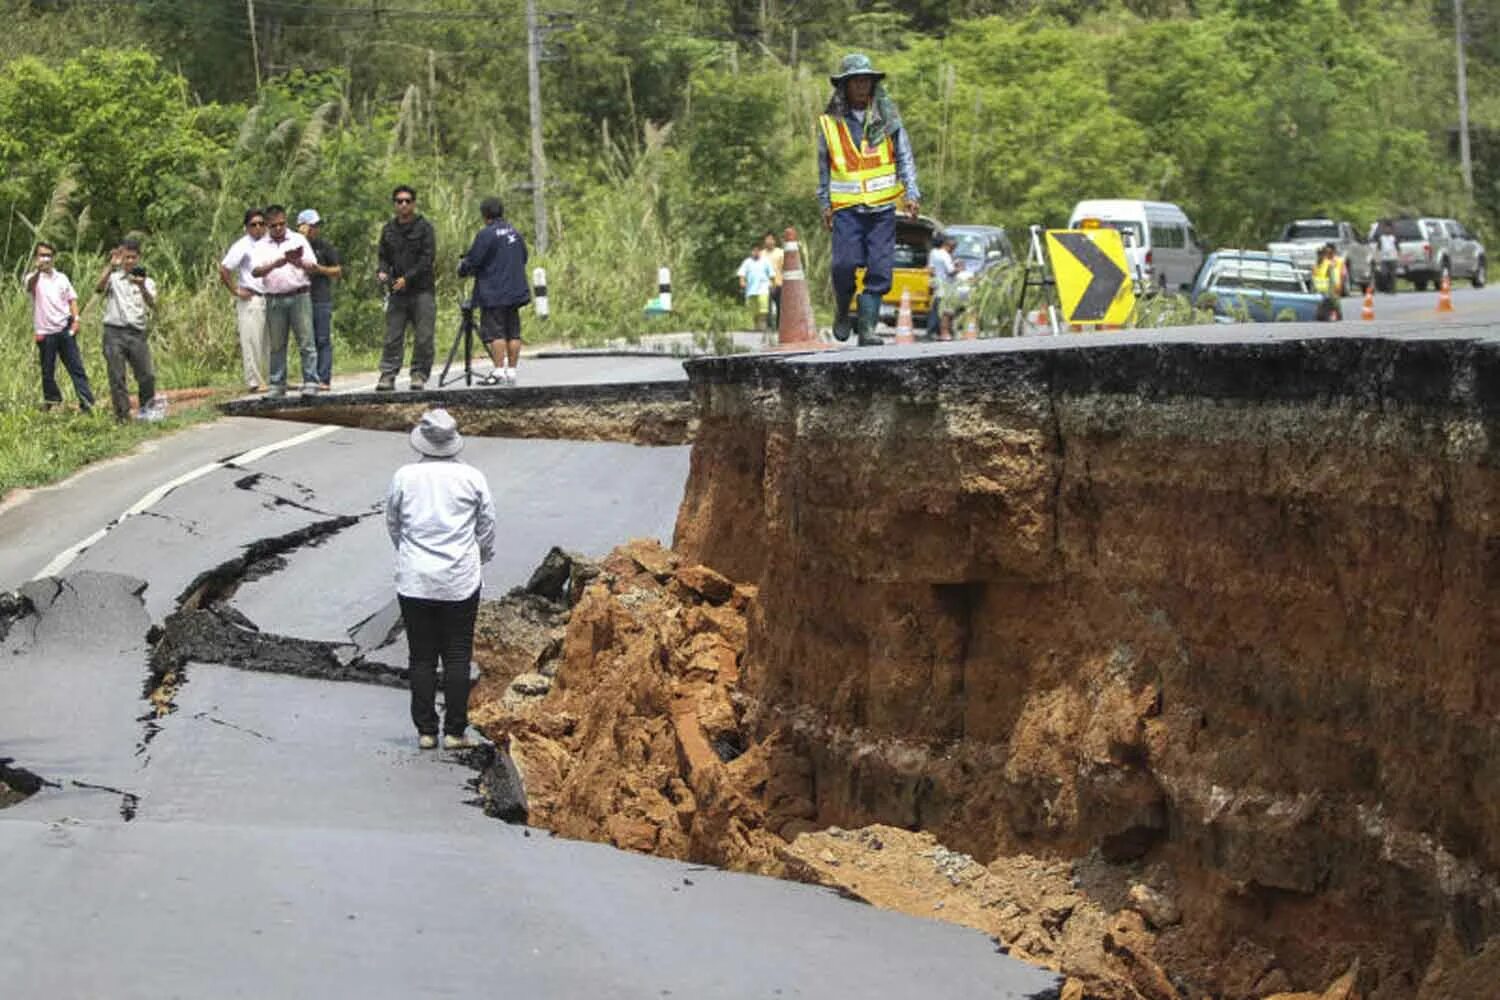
pixel 39 447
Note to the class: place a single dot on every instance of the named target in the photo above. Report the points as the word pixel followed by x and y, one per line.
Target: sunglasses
pixel 257 222
pixel 404 201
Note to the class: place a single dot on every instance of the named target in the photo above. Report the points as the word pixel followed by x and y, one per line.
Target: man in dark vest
pixel 865 169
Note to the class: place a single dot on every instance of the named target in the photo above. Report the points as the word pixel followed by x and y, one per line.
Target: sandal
pixel 493 378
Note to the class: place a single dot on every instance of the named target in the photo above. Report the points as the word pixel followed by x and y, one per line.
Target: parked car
pixel 1431 246
pixel 981 247
pixel 908 271
pixel 1253 284
pixel 1160 243
pixel 1301 239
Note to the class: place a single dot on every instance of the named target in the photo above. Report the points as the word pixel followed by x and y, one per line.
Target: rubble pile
pixel 628 732
pixel 614 694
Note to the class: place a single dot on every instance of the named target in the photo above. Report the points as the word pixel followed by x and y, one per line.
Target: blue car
pixel 1253 285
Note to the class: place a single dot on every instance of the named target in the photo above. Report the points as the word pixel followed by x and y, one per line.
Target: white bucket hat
pixel 436 434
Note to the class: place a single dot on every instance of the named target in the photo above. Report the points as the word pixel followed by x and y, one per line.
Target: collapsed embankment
pixel 645 413
pixel 1219 608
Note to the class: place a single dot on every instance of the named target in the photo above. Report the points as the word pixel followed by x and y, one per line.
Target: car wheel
pixel 1420 284
pixel 1479 275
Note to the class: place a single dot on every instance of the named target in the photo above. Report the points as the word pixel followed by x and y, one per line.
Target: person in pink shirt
pixel 284 261
pixel 54 323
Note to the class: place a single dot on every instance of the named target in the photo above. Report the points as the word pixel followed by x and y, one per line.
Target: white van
pixel 1160 242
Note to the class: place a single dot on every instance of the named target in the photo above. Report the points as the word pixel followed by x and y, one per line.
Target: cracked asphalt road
pixel 281 836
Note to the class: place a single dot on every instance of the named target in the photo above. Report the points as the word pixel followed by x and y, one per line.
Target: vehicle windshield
pixel 1257 273
pixel 907 255
pixel 1408 229
pixel 1130 232
pixel 1311 231
pixel 969 245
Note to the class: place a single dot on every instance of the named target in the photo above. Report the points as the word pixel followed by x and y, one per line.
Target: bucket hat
pixel 855 64
pixel 436 434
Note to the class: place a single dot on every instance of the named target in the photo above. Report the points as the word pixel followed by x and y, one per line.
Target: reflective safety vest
pixel 859 174
pixel 1325 276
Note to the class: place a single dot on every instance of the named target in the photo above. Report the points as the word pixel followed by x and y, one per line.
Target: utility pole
pixel 254 45
pixel 1466 164
pixel 538 158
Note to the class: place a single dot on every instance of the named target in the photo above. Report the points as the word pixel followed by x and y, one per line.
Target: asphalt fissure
pixel 17 784
pixel 206 628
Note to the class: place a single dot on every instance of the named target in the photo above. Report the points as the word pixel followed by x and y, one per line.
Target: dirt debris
pixel 619 717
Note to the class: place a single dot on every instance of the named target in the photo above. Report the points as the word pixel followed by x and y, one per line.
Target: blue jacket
pixel 497 262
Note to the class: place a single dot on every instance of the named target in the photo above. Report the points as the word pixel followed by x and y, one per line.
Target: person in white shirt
pixel 284 262
pixel 441 519
pixel 249 306
pixel 129 298
pixel 944 270
pixel 54 324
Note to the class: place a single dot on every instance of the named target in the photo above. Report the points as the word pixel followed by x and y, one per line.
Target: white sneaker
pixel 426 742
pixel 510 376
pixel 458 742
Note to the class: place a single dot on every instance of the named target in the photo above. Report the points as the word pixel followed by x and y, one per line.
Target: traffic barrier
pixel 1445 295
pixel 971 328
pixel 539 293
pixel 1367 312
pixel 903 320
pixel 664 288
pixel 796 328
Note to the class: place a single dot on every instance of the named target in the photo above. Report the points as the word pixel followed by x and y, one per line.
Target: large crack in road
pixel 206 628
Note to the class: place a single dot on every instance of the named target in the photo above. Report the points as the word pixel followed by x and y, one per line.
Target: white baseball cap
pixel 308 217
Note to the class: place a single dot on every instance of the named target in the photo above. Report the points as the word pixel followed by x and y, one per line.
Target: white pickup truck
pixel 1301 239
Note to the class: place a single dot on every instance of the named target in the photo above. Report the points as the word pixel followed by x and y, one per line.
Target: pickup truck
pixel 1300 241
pixel 1253 285
pixel 1431 246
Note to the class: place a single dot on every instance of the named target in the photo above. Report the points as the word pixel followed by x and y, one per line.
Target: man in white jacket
pixel 441 519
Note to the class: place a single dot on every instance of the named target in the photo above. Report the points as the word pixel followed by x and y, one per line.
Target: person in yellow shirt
pixel 776 257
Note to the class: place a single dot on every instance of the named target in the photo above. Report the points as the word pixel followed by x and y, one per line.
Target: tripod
pixel 465 334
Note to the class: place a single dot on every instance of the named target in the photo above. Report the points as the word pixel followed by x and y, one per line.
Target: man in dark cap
pixel 865 168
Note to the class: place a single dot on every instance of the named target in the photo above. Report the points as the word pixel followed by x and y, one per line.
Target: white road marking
pixel 64 558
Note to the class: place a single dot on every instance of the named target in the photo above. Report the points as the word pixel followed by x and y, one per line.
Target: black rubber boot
pixel 843 323
pixel 869 317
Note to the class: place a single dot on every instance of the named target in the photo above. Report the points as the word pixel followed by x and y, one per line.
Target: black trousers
pixel 439 630
pixel 63 345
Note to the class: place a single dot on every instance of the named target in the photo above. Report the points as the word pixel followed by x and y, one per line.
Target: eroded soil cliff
pixel 1221 610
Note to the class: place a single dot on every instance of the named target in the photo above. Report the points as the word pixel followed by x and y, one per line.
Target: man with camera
pixel 129 297
pixel 284 262
pixel 497 262
pixel 408 246
pixel 54 315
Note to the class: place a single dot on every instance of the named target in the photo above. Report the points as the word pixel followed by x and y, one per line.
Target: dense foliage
pixel 676 132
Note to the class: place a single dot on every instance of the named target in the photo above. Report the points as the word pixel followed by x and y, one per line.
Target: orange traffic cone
pixel 903 320
pixel 797 329
pixel 971 328
pixel 1445 295
pixel 1367 312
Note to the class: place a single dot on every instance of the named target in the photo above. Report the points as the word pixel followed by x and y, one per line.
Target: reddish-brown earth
pixel 1200 635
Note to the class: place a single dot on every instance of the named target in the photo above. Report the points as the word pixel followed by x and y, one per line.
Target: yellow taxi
pixel 908 272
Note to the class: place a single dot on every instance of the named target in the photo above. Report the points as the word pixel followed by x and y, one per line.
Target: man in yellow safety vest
pixel 1325 280
pixel 865 168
